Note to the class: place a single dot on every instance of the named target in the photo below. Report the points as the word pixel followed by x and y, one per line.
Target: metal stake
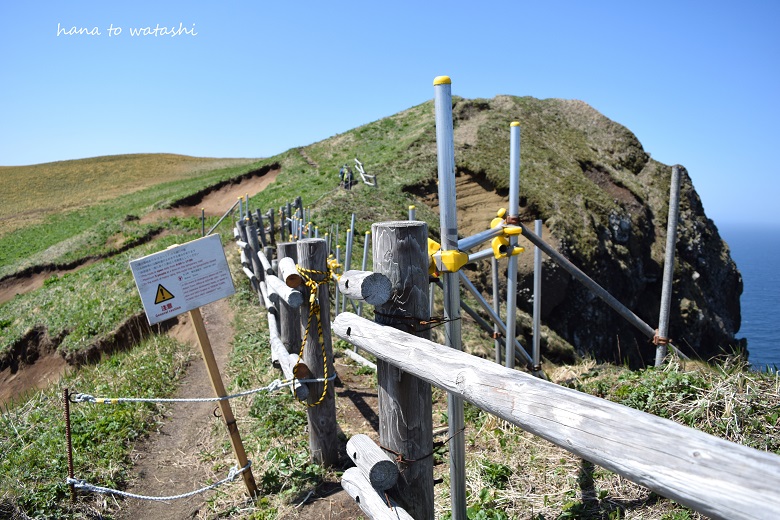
pixel 69 442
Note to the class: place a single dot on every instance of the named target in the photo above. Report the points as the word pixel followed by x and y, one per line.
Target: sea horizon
pixel 756 250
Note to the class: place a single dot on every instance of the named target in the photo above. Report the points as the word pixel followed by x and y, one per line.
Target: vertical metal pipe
pixel 671 243
pixel 282 224
pixel 412 213
pixel 202 222
pixel 247 205
pixel 288 223
pixel 363 267
pixel 240 209
pixel 537 298
pixel 496 308
pixel 512 218
pixel 348 259
pixel 449 241
pixel 336 298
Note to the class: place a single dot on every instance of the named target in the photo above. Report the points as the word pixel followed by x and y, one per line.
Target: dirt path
pixel 218 201
pixel 167 463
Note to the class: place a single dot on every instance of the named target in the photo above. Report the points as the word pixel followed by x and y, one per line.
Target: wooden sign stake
pixel 224 405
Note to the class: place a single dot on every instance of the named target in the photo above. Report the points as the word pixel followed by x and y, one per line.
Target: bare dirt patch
pixel 168 462
pixel 24 283
pixel 47 369
pixel 216 202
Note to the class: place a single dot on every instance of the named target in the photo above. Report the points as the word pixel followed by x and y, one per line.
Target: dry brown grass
pixel 28 193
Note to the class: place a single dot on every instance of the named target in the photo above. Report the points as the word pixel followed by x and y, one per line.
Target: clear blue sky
pixel 697 82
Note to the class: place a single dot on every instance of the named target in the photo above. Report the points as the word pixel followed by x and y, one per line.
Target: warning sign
pixel 163 294
pixel 182 278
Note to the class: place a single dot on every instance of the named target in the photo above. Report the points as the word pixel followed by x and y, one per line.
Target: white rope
pixel 275 385
pixel 83 485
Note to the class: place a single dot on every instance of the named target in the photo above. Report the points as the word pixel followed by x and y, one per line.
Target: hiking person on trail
pixel 348 179
pixel 341 176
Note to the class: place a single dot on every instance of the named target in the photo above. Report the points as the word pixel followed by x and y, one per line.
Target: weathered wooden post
pixel 375 464
pixel 318 350
pixel 271 230
pixel 405 408
pixel 289 317
pixel 254 250
pixel 261 227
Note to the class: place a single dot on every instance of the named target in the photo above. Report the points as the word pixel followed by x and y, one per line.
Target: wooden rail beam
pixel 715 477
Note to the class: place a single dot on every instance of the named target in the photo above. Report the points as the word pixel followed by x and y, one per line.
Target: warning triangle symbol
pixel 163 294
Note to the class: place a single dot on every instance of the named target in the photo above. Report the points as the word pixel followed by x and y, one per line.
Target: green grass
pixel 34 467
pixel 727 400
pixel 70 236
pixel 81 307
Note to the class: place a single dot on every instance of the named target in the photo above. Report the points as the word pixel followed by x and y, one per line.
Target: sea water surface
pixel 756 250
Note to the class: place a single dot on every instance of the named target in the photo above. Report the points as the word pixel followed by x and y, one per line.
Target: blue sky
pixel 697 82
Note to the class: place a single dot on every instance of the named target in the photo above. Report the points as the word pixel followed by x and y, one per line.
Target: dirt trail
pixel 167 463
pixel 216 202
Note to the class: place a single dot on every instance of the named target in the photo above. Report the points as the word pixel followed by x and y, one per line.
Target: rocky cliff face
pixel 604 203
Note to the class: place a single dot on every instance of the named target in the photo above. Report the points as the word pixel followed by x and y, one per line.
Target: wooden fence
pixel 715 477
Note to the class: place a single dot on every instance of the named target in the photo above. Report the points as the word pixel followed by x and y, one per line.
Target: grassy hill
pixel 578 168
pixel 29 193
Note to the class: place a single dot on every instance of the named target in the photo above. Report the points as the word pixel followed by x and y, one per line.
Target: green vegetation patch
pixel 727 400
pixel 34 468
pixel 78 309
pixel 102 228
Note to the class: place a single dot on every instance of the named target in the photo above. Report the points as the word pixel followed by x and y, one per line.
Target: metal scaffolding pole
pixel 449 241
pixel 512 218
pixel 537 366
pixel 666 291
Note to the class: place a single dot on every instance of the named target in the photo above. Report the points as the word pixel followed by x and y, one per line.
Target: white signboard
pixel 182 278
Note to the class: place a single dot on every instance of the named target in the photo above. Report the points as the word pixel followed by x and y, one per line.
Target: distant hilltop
pixel 604 203
pixel 602 198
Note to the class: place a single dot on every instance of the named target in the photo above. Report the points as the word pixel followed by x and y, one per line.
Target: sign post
pixel 183 278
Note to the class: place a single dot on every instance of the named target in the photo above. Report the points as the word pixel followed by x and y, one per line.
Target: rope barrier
pixel 314 310
pixel 275 385
pixel 234 472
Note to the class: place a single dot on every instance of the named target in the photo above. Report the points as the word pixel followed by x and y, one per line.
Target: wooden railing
pixel 713 476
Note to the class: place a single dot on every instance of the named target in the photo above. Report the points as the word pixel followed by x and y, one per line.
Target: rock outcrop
pixel 604 202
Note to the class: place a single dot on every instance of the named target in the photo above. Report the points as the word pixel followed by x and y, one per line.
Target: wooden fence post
pixel 289 317
pixel 271 227
pixel 261 227
pixel 318 353
pixel 405 407
pixel 254 249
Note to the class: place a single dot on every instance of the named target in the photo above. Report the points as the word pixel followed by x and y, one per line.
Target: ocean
pixel 756 250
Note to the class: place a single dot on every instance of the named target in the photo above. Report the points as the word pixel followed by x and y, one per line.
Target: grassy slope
pixel 68 236
pixel 401 150
pixel 29 193
pixel 82 307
